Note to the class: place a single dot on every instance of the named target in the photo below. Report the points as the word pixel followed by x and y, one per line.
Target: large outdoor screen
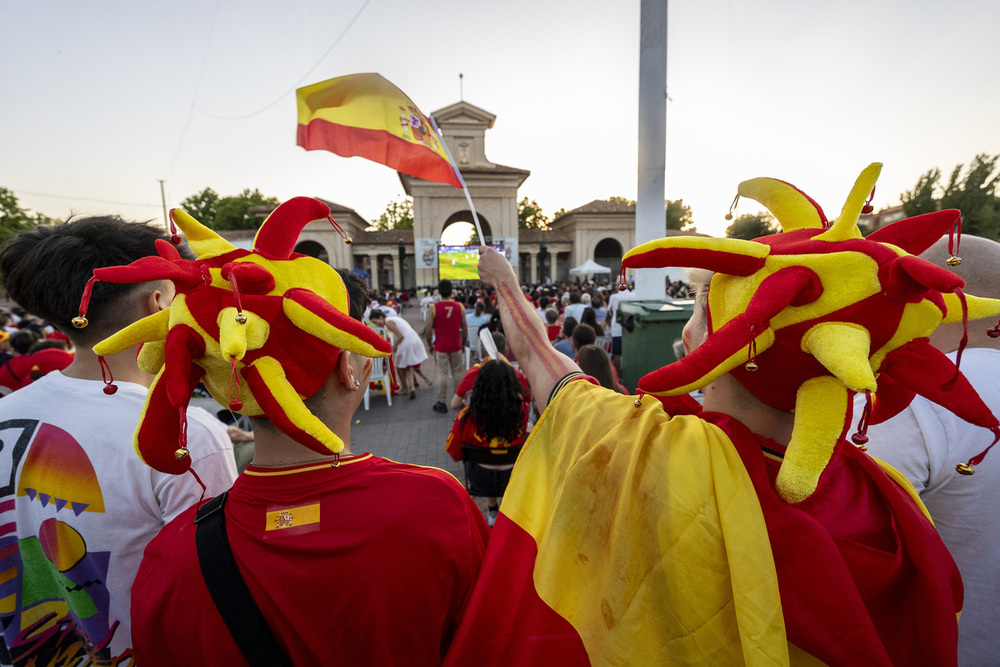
pixel 460 262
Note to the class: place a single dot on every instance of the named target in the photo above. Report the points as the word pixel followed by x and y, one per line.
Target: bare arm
pixel 429 327
pixel 540 362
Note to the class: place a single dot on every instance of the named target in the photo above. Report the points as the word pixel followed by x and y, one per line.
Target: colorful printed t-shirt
pixel 76 511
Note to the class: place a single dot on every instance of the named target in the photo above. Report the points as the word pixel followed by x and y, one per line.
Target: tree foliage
pixel 679 216
pixel 14 219
pixel 920 199
pixel 750 226
pixel 530 216
pixel 227 212
pixel 397 215
pixel 973 191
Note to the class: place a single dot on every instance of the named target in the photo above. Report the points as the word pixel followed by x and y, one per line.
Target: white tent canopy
pixel 590 266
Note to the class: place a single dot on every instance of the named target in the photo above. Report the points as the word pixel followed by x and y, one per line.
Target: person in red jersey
pixel 446 332
pixel 350 558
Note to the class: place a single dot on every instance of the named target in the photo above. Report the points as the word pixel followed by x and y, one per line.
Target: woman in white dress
pixel 408 350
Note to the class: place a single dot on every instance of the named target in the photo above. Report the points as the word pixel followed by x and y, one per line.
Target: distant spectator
pixel 565 344
pixel 594 361
pixel 583 334
pixel 590 319
pixel 551 326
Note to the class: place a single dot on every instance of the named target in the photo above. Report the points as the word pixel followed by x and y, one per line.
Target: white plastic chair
pixel 474 346
pixel 380 371
pixel 604 342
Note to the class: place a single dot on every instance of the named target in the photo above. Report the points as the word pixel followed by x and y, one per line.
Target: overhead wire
pixel 298 83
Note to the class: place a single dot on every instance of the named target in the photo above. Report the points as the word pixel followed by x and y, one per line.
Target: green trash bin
pixel 655 326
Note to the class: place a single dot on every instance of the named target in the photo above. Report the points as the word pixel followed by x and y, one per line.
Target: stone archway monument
pixel 493 188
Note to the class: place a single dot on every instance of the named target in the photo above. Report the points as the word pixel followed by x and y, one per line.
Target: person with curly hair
pixel 497 416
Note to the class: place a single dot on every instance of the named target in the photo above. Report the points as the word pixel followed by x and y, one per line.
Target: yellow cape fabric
pixel 651 541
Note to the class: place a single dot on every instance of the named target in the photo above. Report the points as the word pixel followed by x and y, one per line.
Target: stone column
pixel 534 267
pixel 373 260
pixel 397 272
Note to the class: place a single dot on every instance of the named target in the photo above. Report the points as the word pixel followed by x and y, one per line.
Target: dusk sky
pixel 99 100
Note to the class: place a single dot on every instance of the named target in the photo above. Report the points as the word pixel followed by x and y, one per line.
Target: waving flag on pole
pixel 365 115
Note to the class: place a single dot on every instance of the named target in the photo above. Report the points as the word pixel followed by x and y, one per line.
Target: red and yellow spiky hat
pixel 809 316
pixel 261 328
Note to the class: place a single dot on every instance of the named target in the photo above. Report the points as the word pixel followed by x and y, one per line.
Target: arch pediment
pixel 465 114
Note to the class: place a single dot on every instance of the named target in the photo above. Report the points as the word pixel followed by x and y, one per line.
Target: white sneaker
pixel 491 517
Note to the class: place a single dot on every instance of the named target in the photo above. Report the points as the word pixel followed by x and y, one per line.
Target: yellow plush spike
pixel 820 413
pixel 843 349
pixel 150 328
pixel 309 321
pixel 203 241
pixel 792 208
pixel 979 308
pixel 293 409
pixel 846 225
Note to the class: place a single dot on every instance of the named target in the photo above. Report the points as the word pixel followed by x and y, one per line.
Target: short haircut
pixel 444 288
pixel 21 341
pixel 500 341
pixel 45 271
pixel 574 297
pixel 569 324
pixel 377 313
pixel 584 334
pixel 551 315
pixel 357 292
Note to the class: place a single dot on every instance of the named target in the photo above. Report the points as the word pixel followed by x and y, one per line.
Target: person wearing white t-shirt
pixel 79 506
pixel 925 441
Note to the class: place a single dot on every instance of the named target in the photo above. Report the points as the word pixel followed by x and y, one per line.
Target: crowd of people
pixel 637 527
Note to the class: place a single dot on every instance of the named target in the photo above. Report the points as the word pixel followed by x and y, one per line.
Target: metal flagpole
pixel 465 188
pixel 649 213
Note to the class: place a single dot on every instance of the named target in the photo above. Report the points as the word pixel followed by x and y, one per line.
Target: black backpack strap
pixel 229 590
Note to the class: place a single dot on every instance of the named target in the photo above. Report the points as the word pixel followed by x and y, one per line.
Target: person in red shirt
pixel 497 416
pixel 446 332
pixel 350 558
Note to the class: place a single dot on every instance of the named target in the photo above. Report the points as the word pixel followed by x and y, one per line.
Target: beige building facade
pixel 407 259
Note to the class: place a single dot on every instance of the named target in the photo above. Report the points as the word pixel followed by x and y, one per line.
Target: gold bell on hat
pixel 241 318
pixel 965 469
pixel 181 452
pixel 80 322
pixel 954 260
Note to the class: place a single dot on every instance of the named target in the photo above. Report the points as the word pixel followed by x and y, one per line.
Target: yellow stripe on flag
pixel 292 517
pixel 365 115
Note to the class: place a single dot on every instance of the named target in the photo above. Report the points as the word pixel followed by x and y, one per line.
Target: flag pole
pixel 465 188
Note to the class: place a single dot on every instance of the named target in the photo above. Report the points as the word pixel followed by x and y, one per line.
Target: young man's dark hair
pixel 583 334
pixel 569 325
pixel 444 289
pixel 574 297
pixel 21 341
pixel 358 293
pixel 82 245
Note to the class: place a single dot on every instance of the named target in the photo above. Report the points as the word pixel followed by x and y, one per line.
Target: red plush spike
pixel 890 399
pixel 910 278
pixel 159 432
pixel 184 345
pixel 276 413
pixel 253 278
pixel 917 234
pixel 927 371
pixel 732 263
pixel 185 275
pixel 277 236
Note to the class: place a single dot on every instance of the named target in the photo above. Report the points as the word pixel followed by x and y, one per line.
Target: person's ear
pixel 350 370
pixel 160 299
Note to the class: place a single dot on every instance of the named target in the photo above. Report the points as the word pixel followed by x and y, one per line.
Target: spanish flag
pixel 634 538
pixel 365 115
